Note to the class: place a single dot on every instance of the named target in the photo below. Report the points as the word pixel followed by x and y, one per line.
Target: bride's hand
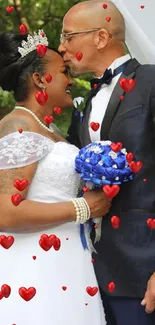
pixel 98 202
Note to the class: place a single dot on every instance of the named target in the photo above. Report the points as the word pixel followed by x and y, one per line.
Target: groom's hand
pixel 149 298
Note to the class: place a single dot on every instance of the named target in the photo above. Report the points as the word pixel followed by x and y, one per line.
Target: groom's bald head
pixel 91 14
pixel 96 32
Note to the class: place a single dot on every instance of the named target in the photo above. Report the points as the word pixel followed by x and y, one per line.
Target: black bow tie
pixel 106 78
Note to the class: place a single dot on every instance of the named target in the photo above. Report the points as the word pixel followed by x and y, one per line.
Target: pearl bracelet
pixel 82 210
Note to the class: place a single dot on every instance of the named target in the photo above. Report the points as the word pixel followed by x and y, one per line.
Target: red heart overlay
pixel 79 56
pixel 127 84
pixel 111 190
pixel 48 77
pixel 151 223
pixel 57 244
pixel 41 97
pixel 92 291
pixel 135 166
pixel 64 288
pixel 21 185
pixel 46 242
pixel 16 199
pixel 94 126
pixel 23 29
pixel 41 50
pixel 48 119
pixel 116 146
pixel 115 221
pixel 27 294
pixel 129 157
pixel 57 110
pixel 108 19
pixel 6 290
pixel 111 287
pixel 105 6
pixel 6 241
pixel 9 9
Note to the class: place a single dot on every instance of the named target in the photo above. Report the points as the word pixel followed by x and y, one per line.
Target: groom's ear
pixel 102 39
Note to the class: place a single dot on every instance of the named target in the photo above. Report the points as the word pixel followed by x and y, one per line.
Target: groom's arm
pixel 72 134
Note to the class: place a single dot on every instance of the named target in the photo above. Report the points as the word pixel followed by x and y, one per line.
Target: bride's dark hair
pixel 15 70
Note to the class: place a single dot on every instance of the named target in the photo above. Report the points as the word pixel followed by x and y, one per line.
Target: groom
pixel 93 40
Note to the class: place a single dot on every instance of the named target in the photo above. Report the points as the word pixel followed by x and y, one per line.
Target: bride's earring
pixel 41 96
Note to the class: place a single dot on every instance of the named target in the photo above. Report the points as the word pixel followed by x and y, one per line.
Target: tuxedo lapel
pixel 113 106
pixel 84 127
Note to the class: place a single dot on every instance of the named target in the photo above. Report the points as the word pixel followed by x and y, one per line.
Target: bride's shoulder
pixel 14 122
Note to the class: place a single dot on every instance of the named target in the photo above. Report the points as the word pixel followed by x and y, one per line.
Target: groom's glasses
pixel 65 37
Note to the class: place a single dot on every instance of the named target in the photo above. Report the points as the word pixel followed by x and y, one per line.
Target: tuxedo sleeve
pixel 72 134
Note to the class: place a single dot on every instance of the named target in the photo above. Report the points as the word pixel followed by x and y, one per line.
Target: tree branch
pixel 21 17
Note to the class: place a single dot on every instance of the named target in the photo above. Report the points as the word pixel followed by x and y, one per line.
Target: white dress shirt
pixel 101 100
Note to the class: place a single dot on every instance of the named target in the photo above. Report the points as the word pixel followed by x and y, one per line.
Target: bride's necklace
pixel 35 117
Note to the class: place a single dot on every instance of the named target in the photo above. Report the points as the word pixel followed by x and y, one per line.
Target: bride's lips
pixel 68 91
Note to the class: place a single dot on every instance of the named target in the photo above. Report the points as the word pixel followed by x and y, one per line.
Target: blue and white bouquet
pixel 106 165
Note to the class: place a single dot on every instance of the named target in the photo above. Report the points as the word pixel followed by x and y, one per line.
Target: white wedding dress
pixel 26 264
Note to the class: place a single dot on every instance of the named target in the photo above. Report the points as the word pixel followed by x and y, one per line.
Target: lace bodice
pixel 55 178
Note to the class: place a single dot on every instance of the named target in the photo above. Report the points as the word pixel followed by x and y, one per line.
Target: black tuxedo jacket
pixel 126 255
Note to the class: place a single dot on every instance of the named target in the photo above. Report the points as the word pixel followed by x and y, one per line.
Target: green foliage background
pixel 46 14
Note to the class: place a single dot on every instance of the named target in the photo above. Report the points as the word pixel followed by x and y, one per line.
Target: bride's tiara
pixel 32 42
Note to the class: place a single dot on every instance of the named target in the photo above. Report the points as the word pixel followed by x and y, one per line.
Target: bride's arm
pixel 32 214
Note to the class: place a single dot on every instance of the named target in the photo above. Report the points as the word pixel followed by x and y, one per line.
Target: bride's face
pixel 59 89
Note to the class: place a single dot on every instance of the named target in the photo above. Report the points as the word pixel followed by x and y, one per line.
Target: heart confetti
pixel 95 86
pixel 86 304
pixel 115 221
pixel 23 29
pixel 108 19
pixel 85 189
pixel 20 130
pixel 41 50
pixel 6 290
pixel 151 223
pixel 21 185
pixel 144 179
pixel 57 110
pixel 46 242
pixel 1 295
pixel 27 294
pixel 48 77
pixel 57 244
pixel 111 190
pixel 127 84
pixel 92 291
pixel 41 97
pixel 96 227
pixel 129 157
pixel 94 126
pixel 9 9
pixel 105 6
pixel 92 260
pixel 121 97
pixel 135 166
pixel 116 146
pixel 64 288
pixel 142 7
pixel 48 119
pixel 79 56
pixel 6 241
pixel 16 199
pixel 111 287
pixel 34 257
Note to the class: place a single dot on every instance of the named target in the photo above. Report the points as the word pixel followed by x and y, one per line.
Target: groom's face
pixel 71 44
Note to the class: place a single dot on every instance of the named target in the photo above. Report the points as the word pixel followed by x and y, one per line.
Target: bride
pixel 44 279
